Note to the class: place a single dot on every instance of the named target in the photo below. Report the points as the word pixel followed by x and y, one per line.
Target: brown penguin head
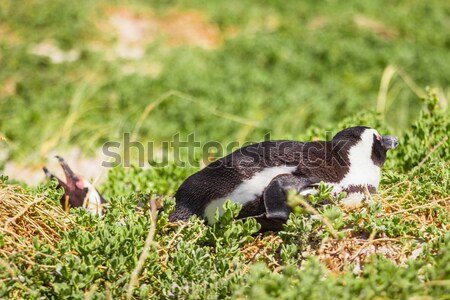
pixel 78 192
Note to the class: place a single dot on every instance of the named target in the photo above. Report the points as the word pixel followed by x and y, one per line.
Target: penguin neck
pixel 360 168
pixel 93 200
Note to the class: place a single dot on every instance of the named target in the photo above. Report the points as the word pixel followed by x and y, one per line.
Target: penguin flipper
pixel 269 224
pixel 275 196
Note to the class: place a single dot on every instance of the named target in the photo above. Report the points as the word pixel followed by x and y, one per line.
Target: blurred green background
pixel 75 74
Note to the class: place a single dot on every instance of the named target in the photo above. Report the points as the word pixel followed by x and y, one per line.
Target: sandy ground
pixel 88 167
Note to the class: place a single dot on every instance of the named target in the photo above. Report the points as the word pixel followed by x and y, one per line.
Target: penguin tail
pixel 48 173
pixel 180 214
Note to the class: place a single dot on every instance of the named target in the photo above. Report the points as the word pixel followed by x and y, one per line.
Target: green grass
pixel 287 67
pixel 95 257
pixel 293 69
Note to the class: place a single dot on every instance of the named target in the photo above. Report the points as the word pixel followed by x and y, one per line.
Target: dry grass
pixel 338 254
pixel 356 248
pixel 149 242
pixel 24 217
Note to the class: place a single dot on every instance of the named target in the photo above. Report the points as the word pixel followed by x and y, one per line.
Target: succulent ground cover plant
pixel 76 74
pixel 395 246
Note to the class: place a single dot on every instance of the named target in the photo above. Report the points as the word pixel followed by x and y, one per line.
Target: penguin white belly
pixel 363 170
pixel 356 178
pixel 247 191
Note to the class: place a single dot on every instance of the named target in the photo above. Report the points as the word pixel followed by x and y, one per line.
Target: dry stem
pixel 134 280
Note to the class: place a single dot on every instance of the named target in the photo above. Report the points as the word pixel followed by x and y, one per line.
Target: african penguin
pixel 78 192
pixel 258 176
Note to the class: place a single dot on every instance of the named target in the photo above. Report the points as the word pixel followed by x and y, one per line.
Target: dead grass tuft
pixel 261 248
pixel 337 254
pixel 24 217
pixel 356 248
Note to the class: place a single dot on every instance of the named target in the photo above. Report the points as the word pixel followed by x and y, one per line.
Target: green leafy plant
pixel 294 69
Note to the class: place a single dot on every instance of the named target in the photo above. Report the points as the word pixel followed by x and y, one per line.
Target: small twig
pixel 438 282
pixel 134 280
pixel 358 240
pixel 90 294
pixel 416 207
pixel 176 235
pixel 408 192
pixel 324 219
pixel 22 212
pixel 446 164
pixel 372 236
pixel 17 236
pixel 394 186
pixel 108 295
pixel 369 242
pixel 8 268
pixel 367 194
pixel 163 257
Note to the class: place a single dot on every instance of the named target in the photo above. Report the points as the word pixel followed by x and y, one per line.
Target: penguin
pixel 78 192
pixel 259 176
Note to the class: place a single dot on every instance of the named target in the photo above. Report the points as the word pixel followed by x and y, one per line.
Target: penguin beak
pixel 389 142
pixel 51 176
pixel 71 178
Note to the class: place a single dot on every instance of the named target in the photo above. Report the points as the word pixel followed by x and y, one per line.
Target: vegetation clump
pixel 395 246
pixel 77 74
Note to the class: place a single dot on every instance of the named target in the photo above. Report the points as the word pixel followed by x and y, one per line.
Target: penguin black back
pixel 259 175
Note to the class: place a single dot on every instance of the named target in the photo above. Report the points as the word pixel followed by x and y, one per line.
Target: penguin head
pixel 78 192
pixel 365 142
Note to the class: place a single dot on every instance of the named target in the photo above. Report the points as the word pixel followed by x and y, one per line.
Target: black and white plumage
pixel 258 176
